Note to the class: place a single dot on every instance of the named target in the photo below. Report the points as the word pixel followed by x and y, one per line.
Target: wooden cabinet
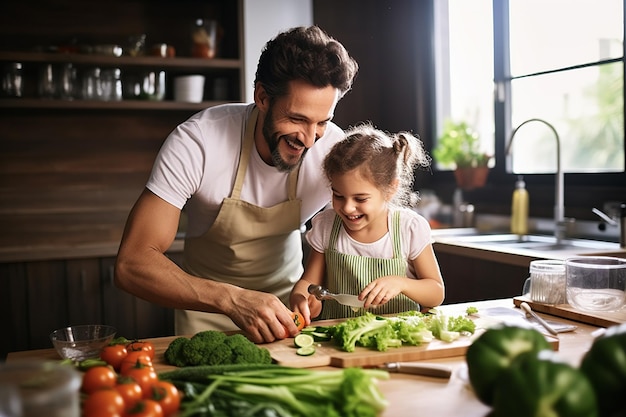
pixel 72 169
pixel 470 278
pixel 38 297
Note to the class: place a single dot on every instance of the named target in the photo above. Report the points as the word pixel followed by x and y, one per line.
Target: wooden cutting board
pixel 284 353
pixel 601 319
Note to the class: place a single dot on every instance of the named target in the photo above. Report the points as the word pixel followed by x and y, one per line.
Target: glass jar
pixel 12 80
pixel 111 82
pixel 204 38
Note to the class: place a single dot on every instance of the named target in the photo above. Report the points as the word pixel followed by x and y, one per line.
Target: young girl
pixel 371 243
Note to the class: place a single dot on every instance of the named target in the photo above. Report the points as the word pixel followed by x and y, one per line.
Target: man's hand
pixel 262 316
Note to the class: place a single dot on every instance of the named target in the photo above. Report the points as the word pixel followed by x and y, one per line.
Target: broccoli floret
pixel 206 347
pixel 173 354
pixel 245 351
pixel 347 333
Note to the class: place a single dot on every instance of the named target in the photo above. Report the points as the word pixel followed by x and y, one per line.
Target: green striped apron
pixel 349 274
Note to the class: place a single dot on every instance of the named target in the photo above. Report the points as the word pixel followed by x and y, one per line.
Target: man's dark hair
pixel 307 54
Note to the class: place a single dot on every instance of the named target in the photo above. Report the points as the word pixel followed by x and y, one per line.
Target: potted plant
pixel 458 147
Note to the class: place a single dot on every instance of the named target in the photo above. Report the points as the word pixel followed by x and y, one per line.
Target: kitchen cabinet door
pixel 48 301
pixel 132 316
pixel 13 302
pixel 83 288
pixel 469 279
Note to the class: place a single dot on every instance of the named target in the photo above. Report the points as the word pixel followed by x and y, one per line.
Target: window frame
pixel 502 112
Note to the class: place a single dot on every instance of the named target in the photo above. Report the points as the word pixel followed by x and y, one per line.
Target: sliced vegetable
pixel 303 340
pixel 305 351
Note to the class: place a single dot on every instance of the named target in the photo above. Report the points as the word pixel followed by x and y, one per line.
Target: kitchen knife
pixel 425 369
pixel 322 293
pixel 347 300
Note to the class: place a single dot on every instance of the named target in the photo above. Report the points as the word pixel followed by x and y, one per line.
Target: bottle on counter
pixel 519 208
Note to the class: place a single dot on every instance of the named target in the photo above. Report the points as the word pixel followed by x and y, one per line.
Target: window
pixel 557 60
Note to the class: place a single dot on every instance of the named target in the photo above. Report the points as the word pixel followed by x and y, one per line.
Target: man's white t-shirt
pixel 197 165
pixel 415 235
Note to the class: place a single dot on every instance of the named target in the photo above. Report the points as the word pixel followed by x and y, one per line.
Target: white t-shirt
pixel 415 236
pixel 197 165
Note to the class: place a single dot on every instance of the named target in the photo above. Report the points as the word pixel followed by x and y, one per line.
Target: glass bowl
pixel 596 283
pixel 83 341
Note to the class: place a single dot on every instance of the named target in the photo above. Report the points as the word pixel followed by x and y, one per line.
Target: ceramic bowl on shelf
pixel 82 341
pixel 596 283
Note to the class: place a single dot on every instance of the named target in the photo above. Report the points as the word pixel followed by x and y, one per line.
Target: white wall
pixel 263 20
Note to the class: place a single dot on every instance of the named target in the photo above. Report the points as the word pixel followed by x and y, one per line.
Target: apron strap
pixel 246 147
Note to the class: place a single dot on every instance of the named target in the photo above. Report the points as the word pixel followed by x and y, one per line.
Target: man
pixel 241 173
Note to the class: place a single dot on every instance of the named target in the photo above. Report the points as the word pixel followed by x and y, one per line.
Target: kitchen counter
pixel 409 395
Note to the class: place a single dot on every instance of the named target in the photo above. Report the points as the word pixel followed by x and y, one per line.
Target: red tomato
pixel 135 359
pixel 104 402
pixel 141 345
pixel 146 408
pixel 114 355
pixel 166 394
pixel 97 378
pixel 130 391
pixel 145 377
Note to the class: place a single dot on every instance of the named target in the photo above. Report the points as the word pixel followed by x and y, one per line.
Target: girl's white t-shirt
pixel 197 165
pixel 415 235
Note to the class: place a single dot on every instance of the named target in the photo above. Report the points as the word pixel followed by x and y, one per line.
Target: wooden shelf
pixel 176 63
pixel 36 103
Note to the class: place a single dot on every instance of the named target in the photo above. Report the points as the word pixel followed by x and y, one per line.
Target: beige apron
pixel 349 274
pixel 248 246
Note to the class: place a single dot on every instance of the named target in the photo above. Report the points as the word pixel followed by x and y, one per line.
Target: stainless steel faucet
pixel 560 224
pixel 621 223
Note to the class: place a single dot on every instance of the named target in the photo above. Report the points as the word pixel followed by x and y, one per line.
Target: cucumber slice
pixel 306 351
pixel 320 337
pixel 303 340
pixel 309 329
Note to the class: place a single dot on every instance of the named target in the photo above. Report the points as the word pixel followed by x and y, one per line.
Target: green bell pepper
pixel 605 366
pixel 494 351
pixel 537 384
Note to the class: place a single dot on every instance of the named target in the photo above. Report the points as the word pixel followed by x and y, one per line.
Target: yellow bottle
pixel 519 208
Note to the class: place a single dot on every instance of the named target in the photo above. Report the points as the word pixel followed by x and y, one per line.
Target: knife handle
pixel 425 369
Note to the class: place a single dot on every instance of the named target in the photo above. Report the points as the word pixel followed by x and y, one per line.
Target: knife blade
pixel 322 293
pixel 348 300
pixel 425 369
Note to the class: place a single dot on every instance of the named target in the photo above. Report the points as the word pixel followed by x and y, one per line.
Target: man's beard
pixel 272 142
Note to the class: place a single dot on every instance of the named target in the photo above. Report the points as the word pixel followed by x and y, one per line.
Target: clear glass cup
pixel 12 80
pixel 596 283
pixel 67 82
pixel 547 282
pixel 47 81
pixel 111 83
pixel 92 84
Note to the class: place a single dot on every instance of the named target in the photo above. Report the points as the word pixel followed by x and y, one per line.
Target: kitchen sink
pixel 507 242
pixel 538 242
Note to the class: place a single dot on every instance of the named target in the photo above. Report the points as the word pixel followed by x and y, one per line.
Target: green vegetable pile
pixel 212 347
pixel 274 390
pixel 515 371
pixel 381 333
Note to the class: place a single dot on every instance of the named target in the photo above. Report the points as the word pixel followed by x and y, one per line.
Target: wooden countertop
pixel 409 395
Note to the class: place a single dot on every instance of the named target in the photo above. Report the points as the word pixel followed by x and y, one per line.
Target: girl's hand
pixel 315 307
pixel 381 290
